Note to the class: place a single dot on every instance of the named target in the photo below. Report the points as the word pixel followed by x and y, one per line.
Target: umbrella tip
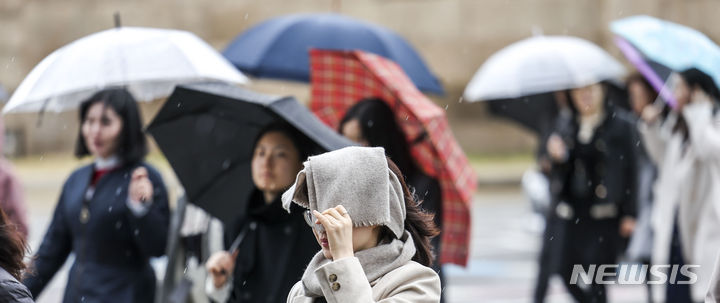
pixel 117 20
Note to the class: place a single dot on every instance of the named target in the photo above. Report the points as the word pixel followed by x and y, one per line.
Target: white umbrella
pixel 539 65
pixel 148 61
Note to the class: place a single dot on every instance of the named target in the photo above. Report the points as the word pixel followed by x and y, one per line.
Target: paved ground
pixel 505 238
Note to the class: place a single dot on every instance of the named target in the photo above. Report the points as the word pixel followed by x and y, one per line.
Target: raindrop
pixel 600 239
pixel 110 209
pixel 460 100
pixel 226 164
pixel 185 270
pixel 446 107
pixel 370 123
pixel 577 220
pixel 64 126
pixel 637 143
pixel 12 59
pixel 137 232
pixel 118 224
pixel 42 157
pixel 552 237
pixel 126 175
pixel 118 191
pixel 622 157
pixel 82 299
pixel 179 104
pixel 246 16
pixel 244 282
pixel 406 118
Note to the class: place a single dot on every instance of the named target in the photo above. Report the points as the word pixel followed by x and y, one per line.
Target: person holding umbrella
pixel 117 197
pixel 374 237
pixel 686 148
pixel 593 187
pixel 268 248
pixel 371 122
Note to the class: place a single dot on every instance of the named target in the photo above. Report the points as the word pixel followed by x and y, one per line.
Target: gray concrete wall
pixel 453 36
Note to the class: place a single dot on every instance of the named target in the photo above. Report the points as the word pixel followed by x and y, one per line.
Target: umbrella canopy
pixel 673 45
pixel 278 48
pixel 535 113
pixel 539 65
pixel 206 132
pixel 149 61
pixel 341 78
pixel 655 73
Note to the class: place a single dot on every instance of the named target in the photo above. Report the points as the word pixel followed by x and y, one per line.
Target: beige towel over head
pixel 359 179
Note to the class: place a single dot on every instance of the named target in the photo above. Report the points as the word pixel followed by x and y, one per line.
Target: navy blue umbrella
pixel 278 48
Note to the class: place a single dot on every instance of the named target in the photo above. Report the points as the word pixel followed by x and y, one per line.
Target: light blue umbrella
pixel 670 44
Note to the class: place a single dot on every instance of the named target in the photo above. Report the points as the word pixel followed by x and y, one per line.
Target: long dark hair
pixel 695 78
pixel 380 129
pixel 419 223
pixel 132 147
pixel 12 247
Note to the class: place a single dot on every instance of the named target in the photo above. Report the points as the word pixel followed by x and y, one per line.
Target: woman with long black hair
pixel 267 249
pixel 371 122
pixel 112 214
pixel 686 213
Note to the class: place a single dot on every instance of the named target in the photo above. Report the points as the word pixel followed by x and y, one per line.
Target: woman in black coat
pixel 112 214
pixel 268 249
pixel 592 182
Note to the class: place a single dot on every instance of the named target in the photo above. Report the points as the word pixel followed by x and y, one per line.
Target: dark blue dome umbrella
pixel 278 48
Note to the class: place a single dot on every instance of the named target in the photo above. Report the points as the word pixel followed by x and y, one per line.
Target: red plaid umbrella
pixel 341 78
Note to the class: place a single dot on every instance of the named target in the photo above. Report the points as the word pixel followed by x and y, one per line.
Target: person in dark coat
pixel 112 214
pixel 268 249
pixel 371 122
pixel 593 187
pixel 12 252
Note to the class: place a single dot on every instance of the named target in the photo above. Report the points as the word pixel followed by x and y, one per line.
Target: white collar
pixel 107 163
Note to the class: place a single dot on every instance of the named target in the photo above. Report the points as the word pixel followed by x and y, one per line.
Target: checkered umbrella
pixel 341 78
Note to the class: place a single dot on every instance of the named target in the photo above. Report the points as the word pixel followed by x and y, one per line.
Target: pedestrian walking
pixel 267 250
pixel 593 187
pixel 686 148
pixel 12 198
pixel 374 237
pixel 112 214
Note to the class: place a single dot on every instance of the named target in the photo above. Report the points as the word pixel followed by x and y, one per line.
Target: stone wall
pixel 453 36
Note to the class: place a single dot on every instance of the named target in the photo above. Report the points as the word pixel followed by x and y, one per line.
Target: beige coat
pixel 344 281
pixel 687 185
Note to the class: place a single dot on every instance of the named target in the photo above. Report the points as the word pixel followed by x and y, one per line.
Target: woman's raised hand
pixel 140 189
pixel 220 266
pixel 556 148
pixel 339 228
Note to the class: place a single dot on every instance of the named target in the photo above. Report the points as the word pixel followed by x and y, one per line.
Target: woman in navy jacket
pixel 112 214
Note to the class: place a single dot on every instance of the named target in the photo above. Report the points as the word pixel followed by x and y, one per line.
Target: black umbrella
pixel 536 113
pixel 206 132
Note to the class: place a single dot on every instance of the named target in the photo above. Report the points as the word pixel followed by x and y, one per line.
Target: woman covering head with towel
pixel 374 237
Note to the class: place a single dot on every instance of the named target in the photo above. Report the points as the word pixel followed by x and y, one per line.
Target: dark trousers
pixel 677 293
